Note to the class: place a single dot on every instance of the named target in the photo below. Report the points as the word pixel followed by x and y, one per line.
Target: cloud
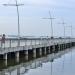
pixel 50 3
pixel 39 2
pixel 44 3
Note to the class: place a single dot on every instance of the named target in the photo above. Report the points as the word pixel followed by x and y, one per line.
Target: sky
pixel 32 14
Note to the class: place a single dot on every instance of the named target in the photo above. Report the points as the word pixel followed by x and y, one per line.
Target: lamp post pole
pixel 51 21
pixel 63 24
pixel 18 20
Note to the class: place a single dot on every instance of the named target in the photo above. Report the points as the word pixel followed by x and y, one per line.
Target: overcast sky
pixel 31 14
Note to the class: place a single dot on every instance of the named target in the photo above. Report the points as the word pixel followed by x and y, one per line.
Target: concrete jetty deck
pixel 34 46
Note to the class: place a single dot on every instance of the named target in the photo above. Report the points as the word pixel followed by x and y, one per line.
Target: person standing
pixel 3 41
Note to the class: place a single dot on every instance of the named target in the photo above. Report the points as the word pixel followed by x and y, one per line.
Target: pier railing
pixel 34 42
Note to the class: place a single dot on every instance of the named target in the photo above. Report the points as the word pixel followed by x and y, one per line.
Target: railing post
pixel 25 42
pixel 1 44
pixel 18 42
pixel 35 42
pixel 39 42
pixel 31 42
pixel 10 42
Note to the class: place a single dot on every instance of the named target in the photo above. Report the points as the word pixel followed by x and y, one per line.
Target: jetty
pixel 14 47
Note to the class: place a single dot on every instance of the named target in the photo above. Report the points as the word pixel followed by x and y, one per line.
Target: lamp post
pixel 71 30
pixel 51 21
pixel 70 26
pixel 63 24
pixel 18 19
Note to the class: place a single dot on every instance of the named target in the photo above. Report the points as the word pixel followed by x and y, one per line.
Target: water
pixel 62 63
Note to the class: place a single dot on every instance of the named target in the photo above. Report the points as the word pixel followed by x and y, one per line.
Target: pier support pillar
pixel 59 47
pixel 49 50
pixel 6 62
pixel 17 56
pixel 34 53
pixel 53 48
pixel 45 52
pixel 63 46
pixel 26 54
pixel 5 57
pixel 70 44
pixel 40 51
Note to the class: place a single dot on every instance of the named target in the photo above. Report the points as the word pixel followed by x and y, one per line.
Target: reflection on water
pixel 62 63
